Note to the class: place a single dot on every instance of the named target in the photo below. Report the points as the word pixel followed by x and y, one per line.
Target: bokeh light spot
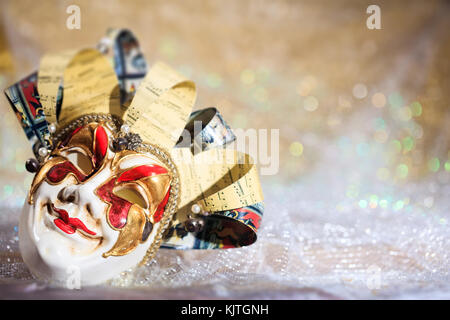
pixel 310 103
pixel 359 91
pixel 402 171
pixel 399 205
pixel 434 164
pixel 447 166
pixel 395 100
pixel 383 203
pixel 380 136
pixel 247 77
pixel 379 100
pixel 405 114
pixel 408 144
pixel 362 149
pixel 395 146
pixel 416 109
pixel 8 190
pixel 296 149
pixel 306 86
pixel 362 203
pixel 380 124
pixel 214 80
pixel 373 201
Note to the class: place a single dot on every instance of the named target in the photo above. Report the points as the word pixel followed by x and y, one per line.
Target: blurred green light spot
pixel 395 146
pixel 213 80
pixel 416 109
pixel 408 144
pixel 362 149
pixel 402 171
pixel 398 205
pixel 383 204
pixel 447 166
pixel 380 124
pixel 20 167
pixel 363 203
pixel 434 164
pixel 8 190
pixel 395 100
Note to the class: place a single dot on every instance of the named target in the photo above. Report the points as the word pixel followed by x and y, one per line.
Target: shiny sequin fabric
pixel 359 207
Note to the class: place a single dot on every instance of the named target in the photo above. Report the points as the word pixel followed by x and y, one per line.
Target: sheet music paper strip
pixel 50 76
pixel 90 86
pixel 161 106
pixel 219 179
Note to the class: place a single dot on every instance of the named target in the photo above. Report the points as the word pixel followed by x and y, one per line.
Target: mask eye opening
pixel 133 193
pixel 78 157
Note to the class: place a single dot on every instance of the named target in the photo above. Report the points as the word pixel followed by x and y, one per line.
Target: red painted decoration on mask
pixel 141 172
pixel 67 139
pixel 69 225
pixel 101 145
pixel 160 210
pixel 61 170
pixel 118 210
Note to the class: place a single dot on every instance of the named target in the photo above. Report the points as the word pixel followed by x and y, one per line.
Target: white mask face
pixel 92 213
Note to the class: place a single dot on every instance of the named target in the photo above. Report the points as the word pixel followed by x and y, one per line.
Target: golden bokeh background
pixel 370 103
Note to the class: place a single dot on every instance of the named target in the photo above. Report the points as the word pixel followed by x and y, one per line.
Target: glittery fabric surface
pixel 359 207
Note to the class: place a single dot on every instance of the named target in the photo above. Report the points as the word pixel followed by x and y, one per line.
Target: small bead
pixel 125 128
pixel 43 152
pixel 52 128
pixel 194 225
pixel 120 144
pixel 32 165
pixel 196 208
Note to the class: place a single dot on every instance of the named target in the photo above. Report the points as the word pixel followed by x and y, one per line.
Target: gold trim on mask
pixel 41 175
pixel 155 189
pixel 131 234
pixel 83 139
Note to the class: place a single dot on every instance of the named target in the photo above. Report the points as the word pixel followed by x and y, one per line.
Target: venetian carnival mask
pixel 109 188
pixel 88 203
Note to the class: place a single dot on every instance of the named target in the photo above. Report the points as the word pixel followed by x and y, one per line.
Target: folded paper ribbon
pixel 157 105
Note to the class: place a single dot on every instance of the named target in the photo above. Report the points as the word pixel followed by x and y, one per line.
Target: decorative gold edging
pixel 173 201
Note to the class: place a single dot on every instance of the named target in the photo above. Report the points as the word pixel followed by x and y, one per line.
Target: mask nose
pixel 69 194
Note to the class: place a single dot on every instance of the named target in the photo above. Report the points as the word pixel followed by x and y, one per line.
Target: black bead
pixel 120 144
pixel 147 230
pixel 32 165
pixel 194 225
